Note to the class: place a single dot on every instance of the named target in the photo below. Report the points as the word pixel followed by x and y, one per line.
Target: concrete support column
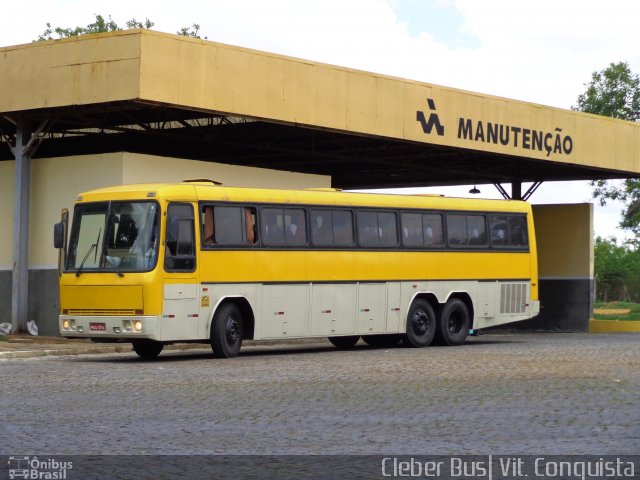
pixel 20 285
pixel 516 190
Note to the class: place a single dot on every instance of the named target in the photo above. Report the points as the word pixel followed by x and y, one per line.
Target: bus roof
pixel 208 191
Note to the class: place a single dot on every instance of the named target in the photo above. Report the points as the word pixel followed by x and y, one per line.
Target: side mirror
pixel 58 235
pixel 60 239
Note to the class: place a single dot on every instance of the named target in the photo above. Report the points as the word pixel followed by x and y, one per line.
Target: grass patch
pixel 616 311
pixel 3 338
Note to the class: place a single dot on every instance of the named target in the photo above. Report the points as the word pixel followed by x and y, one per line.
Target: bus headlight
pixel 69 324
pixel 137 325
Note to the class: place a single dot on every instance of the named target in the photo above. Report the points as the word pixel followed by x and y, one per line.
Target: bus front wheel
pixel 454 323
pixel 344 343
pixel 421 324
pixel 147 349
pixel 226 331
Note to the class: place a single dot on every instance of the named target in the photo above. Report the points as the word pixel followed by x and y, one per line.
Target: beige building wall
pixel 139 168
pixel 564 234
pixel 56 182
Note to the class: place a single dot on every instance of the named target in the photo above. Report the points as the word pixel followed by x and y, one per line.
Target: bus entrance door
pixel 180 301
pixel 180 309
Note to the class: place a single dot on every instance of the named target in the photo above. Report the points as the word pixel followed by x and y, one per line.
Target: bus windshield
pixel 114 236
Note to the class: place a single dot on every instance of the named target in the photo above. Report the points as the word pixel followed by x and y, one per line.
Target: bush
pixel 617 271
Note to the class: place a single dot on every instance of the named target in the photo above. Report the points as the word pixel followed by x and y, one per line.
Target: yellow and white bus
pixel 154 264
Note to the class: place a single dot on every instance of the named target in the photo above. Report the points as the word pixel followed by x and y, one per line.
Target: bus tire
pixel 453 323
pixel 226 331
pixel 147 349
pixel 344 343
pixel 382 341
pixel 421 324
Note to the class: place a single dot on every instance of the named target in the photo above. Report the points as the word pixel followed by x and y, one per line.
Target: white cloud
pixel 544 51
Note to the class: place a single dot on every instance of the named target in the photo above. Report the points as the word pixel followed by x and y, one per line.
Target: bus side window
pixel 456 229
pixel 208 229
pixel 509 231
pixel 295 226
pixel 432 224
pixel 368 229
pixel 332 228
pixel 321 228
pixel 477 230
pixel 466 230
pixel 518 227
pixel 228 225
pixel 412 235
pixel 180 240
pixel 377 229
pixel 251 230
pixel 499 230
pixel 343 228
pixel 387 229
pixel 272 227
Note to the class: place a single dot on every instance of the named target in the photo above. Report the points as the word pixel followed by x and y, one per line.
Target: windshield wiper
pixel 116 265
pixel 94 246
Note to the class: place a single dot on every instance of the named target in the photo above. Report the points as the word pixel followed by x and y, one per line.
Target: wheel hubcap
pixel 233 330
pixel 454 324
pixel 420 322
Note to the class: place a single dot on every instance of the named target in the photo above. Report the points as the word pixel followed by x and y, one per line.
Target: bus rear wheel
pixel 421 325
pixel 453 323
pixel 226 331
pixel 147 349
pixel 344 343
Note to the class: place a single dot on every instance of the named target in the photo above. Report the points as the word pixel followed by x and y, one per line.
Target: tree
pixel 609 266
pixel 108 25
pixel 612 92
pixel 615 92
pixel 191 31
pixel 98 26
pixel 617 269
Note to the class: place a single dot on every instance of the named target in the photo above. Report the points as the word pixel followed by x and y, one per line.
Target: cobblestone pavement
pixel 500 394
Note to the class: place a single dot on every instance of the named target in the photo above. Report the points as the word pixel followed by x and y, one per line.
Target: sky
pixel 541 52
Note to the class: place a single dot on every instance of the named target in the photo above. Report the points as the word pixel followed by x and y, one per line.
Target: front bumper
pixel 117 327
